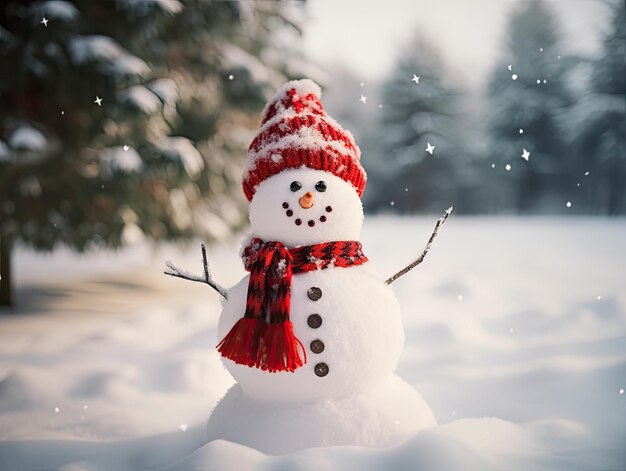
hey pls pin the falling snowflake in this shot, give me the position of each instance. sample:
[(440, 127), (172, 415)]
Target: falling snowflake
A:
[(510, 67), (392, 203), (514, 76), (415, 79), (430, 148), (493, 165), (362, 84), (599, 298), (44, 21), (568, 204), (183, 427), (406, 189), (521, 131), (231, 76), (511, 330), (540, 49), (56, 410), (545, 81), (363, 99), (508, 167), (525, 154), (460, 297), (126, 148), (538, 81), (98, 101), (621, 391), (586, 173)]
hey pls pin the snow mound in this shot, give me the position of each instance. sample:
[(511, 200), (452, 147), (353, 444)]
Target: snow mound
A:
[(385, 415), (23, 389), (471, 444), (28, 138), (109, 384)]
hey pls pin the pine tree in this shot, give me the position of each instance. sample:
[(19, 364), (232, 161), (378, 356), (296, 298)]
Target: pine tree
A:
[(524, 108), (415, 113), (599, 127), (161, 155)]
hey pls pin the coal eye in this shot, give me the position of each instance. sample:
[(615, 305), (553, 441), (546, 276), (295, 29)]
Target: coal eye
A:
[(320, 186), (295, 186)]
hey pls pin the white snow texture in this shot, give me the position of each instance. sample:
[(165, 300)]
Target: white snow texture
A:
[(107, 360), (112, 58)]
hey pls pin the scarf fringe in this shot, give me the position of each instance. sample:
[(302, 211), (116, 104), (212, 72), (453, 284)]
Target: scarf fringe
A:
[(279, 349), (241, 344)]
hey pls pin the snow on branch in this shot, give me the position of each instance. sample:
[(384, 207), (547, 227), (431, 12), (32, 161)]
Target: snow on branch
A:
[(420, 259), (173, 270)]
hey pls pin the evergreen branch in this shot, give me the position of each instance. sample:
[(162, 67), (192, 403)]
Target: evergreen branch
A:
[(420, 259), (173, 270)]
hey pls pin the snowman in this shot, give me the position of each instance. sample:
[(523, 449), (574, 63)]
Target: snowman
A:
[(312, 335)]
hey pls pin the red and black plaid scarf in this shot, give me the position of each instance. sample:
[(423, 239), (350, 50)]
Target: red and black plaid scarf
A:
[(264, 337)]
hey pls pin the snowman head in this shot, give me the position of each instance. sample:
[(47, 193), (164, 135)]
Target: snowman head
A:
[(306, 206), (303, 176)]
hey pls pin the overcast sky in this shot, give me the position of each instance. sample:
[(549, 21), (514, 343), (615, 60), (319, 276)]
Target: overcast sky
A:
[(365, 34)]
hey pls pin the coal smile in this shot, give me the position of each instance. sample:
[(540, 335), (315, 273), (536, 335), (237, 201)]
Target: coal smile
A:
[(311, 222)]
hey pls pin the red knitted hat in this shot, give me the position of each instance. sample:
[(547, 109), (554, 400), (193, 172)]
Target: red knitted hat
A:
[(296, 132)]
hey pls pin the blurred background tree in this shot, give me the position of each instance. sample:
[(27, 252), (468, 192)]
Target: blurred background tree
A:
[(524, 107), (414, 113), (160, 157), (598, 124)]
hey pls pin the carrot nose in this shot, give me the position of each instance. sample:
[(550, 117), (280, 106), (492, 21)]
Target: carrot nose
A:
[(306, 200)]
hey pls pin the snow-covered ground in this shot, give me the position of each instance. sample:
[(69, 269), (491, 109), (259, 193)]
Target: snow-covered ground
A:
[(516, 336)]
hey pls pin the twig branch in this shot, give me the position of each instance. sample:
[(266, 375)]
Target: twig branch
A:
[(420, 259), (173, 270)]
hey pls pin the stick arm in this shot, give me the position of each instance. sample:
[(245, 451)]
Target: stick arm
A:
[(173, 270), (421, 257)]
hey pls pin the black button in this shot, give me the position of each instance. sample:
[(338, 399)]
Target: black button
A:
[(314, 321), (317, 346), (321, 369), (314, 293)]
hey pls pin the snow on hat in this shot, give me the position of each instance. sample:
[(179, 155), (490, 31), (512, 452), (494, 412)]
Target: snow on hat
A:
[(296, 132)]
